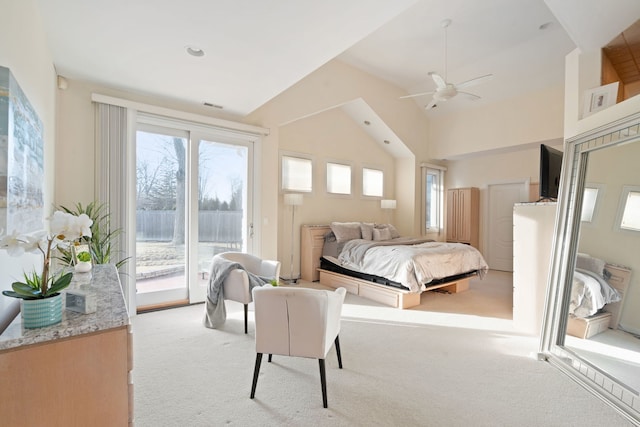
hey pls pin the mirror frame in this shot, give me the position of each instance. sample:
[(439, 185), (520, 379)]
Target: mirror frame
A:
[(563, 259)]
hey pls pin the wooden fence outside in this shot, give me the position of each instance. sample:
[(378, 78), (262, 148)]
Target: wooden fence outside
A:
[(213, 226)]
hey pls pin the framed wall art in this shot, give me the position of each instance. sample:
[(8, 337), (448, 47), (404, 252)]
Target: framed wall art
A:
[(600, 98), (21, 160)]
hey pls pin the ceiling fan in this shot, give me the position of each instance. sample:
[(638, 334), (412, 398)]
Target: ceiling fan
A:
[(445, 91)]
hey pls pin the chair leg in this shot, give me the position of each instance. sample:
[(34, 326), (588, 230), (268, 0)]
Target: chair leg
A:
[(246, 314), (323, 382), (270, 358), (337, 343), (256, 371)]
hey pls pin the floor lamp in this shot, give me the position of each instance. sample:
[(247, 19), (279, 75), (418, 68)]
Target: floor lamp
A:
[(293, 200), (388, 205)]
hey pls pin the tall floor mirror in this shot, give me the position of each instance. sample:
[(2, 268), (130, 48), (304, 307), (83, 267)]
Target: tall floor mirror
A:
[(594, 338)]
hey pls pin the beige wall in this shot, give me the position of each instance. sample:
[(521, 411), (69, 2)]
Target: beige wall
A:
[(331, 136), (531, 118), (24, 50)]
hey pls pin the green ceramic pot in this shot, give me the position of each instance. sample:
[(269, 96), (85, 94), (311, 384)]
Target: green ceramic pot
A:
[(37, 313)]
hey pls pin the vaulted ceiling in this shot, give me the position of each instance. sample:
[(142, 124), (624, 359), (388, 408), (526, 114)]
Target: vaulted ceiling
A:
[(255, 49)]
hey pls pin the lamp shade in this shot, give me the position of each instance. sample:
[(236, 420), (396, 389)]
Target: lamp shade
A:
[(293, 199), (387, 204)]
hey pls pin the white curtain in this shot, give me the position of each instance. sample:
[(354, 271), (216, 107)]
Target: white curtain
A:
[(111, 173)]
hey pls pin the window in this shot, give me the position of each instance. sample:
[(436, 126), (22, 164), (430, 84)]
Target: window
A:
[(433, 177), (629, 209), (372, 182), (297, 173), (338, 178), (590, 202)]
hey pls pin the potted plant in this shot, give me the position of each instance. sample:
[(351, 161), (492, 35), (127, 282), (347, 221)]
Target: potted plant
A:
[(40, 291), (102, 237), (83, 262)]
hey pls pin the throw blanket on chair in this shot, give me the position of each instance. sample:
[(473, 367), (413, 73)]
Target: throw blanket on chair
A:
[(215, 312)]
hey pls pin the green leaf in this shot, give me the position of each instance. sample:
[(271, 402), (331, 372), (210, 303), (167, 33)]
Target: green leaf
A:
[(26, 290), (59, 284), (15, 295)]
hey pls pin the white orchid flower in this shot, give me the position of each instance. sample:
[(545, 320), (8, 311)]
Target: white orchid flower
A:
[(69, 226), (59, 223), (35, 243), (84, 224), (13, 244)]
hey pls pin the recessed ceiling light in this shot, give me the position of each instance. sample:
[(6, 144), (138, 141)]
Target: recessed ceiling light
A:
[(209, 104), (194, 51), (544, 26)]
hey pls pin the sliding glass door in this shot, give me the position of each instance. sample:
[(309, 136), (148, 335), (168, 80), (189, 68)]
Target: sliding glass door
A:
[(221, 209), (192, 201)]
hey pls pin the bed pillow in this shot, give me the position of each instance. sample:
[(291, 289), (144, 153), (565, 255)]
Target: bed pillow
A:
[(366, 228), (589, 263), (346, 231), (391, 228), (394, 232), (381, 234), (330, 247)]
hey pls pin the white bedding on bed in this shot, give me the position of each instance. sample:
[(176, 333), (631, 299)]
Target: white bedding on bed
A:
[(412, 265), (589, 293)]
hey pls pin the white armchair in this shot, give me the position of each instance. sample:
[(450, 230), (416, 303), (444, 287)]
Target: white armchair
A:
[(236, 285), (297, 322)]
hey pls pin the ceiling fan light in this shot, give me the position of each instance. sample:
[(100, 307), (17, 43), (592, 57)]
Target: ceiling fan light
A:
[(445, 94)]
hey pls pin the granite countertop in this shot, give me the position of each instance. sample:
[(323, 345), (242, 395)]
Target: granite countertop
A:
[(111, 312)]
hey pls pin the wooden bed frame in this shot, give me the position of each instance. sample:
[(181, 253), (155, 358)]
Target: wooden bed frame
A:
[(393, 297), (599, 322)]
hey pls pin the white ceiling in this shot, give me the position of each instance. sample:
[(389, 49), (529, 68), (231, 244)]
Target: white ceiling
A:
[(256, 49)]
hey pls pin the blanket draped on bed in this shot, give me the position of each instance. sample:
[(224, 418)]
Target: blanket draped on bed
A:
[(215, 311), (412, 265), (589, 293)]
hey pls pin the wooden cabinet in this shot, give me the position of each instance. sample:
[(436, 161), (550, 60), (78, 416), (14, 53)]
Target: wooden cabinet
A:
[(75, 373), (533, 228), (463, 222), (76, 381), (311, 243)]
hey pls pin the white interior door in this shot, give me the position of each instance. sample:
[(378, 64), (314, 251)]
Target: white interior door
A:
[(501, 198)]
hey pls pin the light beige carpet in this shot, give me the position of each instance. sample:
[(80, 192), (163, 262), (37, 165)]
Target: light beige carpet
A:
[(401, 367)]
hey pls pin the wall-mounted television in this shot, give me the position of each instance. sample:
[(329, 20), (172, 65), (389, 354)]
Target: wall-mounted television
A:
[(550, 171)]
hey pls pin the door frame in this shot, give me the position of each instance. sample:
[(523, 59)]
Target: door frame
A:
[(196, 132), (198, 293)]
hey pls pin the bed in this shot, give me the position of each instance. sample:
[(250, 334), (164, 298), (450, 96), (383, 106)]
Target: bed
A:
[(597, 295), (374, 261)]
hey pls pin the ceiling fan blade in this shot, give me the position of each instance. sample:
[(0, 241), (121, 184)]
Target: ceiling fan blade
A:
[(471, 95), (440, 83), (417, 94), (475, 81), (431, 105)]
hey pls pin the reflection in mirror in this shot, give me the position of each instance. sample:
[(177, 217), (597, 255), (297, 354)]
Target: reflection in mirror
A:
[(604, 323), (592, 319)]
